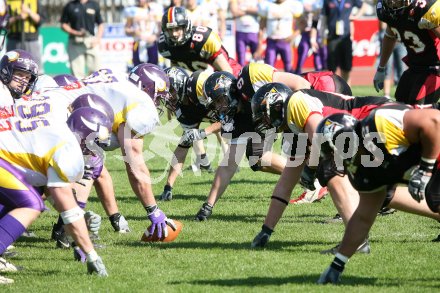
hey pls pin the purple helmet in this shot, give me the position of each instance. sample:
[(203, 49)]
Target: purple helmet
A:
[(95, 102), (90, 126), (65, 79), (152, 80), (18, 60)]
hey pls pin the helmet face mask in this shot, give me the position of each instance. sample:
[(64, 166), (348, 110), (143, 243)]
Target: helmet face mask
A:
[(19, 72), (395, 7), (268, 106), (176, 26), (219, 93), (178, 78)]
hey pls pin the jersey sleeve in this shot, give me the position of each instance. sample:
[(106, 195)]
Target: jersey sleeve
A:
[(296, 8), (431, 19), (142, 117), (211, 48), (299, 108), (263, 8), (260, 74)]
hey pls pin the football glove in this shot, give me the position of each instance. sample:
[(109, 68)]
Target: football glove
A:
[(159, 222), (204, 212), (167, 193), (262, 238), (98, 267), (379, 78), (93, 221), (419, 179), (119, 223), (333, 273), (191, 135), (308, 176)]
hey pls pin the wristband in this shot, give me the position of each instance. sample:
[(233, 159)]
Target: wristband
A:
[(150, 209), (427, 164), (381, 68)]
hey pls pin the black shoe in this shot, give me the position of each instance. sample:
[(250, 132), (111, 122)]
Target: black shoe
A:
[(207, 168), (363, 248), (60, 237), (336, 219), (204, 212), (386, 211), (436, 239)]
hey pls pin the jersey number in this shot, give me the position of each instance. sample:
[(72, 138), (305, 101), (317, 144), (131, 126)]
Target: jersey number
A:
[(412, 39)]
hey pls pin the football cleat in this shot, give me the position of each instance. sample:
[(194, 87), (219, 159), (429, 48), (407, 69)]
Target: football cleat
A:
[(336, 219), (204, 212), (386, 211), (119, 223), (310, 196), (4, 280), (29, 234), (6, 266), (363, 248)]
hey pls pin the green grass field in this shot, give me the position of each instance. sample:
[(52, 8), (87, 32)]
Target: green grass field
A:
[(215, 256)]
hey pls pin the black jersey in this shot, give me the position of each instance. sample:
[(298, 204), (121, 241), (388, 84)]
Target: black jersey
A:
[(412, 26)]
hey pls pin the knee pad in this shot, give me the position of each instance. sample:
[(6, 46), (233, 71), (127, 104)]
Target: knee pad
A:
[(254, 151), (72, 215)]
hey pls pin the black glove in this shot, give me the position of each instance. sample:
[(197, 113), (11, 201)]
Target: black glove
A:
[(420, 177), (308, 176), (262, 238), (333, 273)]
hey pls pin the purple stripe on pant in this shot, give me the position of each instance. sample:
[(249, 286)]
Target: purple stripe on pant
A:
[(275, 47), (242, 40), (303, 52)]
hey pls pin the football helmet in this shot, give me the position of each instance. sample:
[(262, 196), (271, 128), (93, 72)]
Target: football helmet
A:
[(65, 79), (394, 7), (95, 102), (18, 60), (152, 80), (267, 106), (176, 17), (91, 127), (220, 92), (334, 125), (178, 78)]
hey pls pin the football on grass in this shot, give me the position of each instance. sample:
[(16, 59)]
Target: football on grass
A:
[(172, 235)]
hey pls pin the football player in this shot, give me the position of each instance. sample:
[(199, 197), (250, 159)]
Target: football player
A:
[(190, 113), (393, 141), (192, 48), (255, 75), (298, 114), (416, 25), (235, 115), (40, 152)]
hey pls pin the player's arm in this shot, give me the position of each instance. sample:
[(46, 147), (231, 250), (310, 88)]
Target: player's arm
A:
[(221, 64), (293, 81), (388, 43)]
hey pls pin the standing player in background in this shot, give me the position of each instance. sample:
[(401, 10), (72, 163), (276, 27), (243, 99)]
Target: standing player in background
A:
[(143, 24), (192, 48), (246, 27), (277, 22), (416, 25), (217, 15)]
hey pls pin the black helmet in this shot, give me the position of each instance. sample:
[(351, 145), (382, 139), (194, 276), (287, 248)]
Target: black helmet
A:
[(334, 125), (175, 17), (219, 91), (267, 106), (394, 7), (178, 78)]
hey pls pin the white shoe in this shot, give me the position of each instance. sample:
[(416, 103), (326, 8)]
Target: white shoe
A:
[(6, 266), (4, 280), (309, 196)]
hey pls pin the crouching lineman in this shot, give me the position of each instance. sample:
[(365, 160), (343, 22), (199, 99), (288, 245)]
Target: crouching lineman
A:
[(38, 152), (393, 144), (235, 115), (184, 103), (298, 114)]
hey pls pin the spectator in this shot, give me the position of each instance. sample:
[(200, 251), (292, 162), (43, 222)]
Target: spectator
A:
[(78, 19), (217, 15), (26, 17), (143, 24), (277, 20), (306, 22), (246, 27), (176, 3), (196, 13), (336, 17), (4, 19)]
